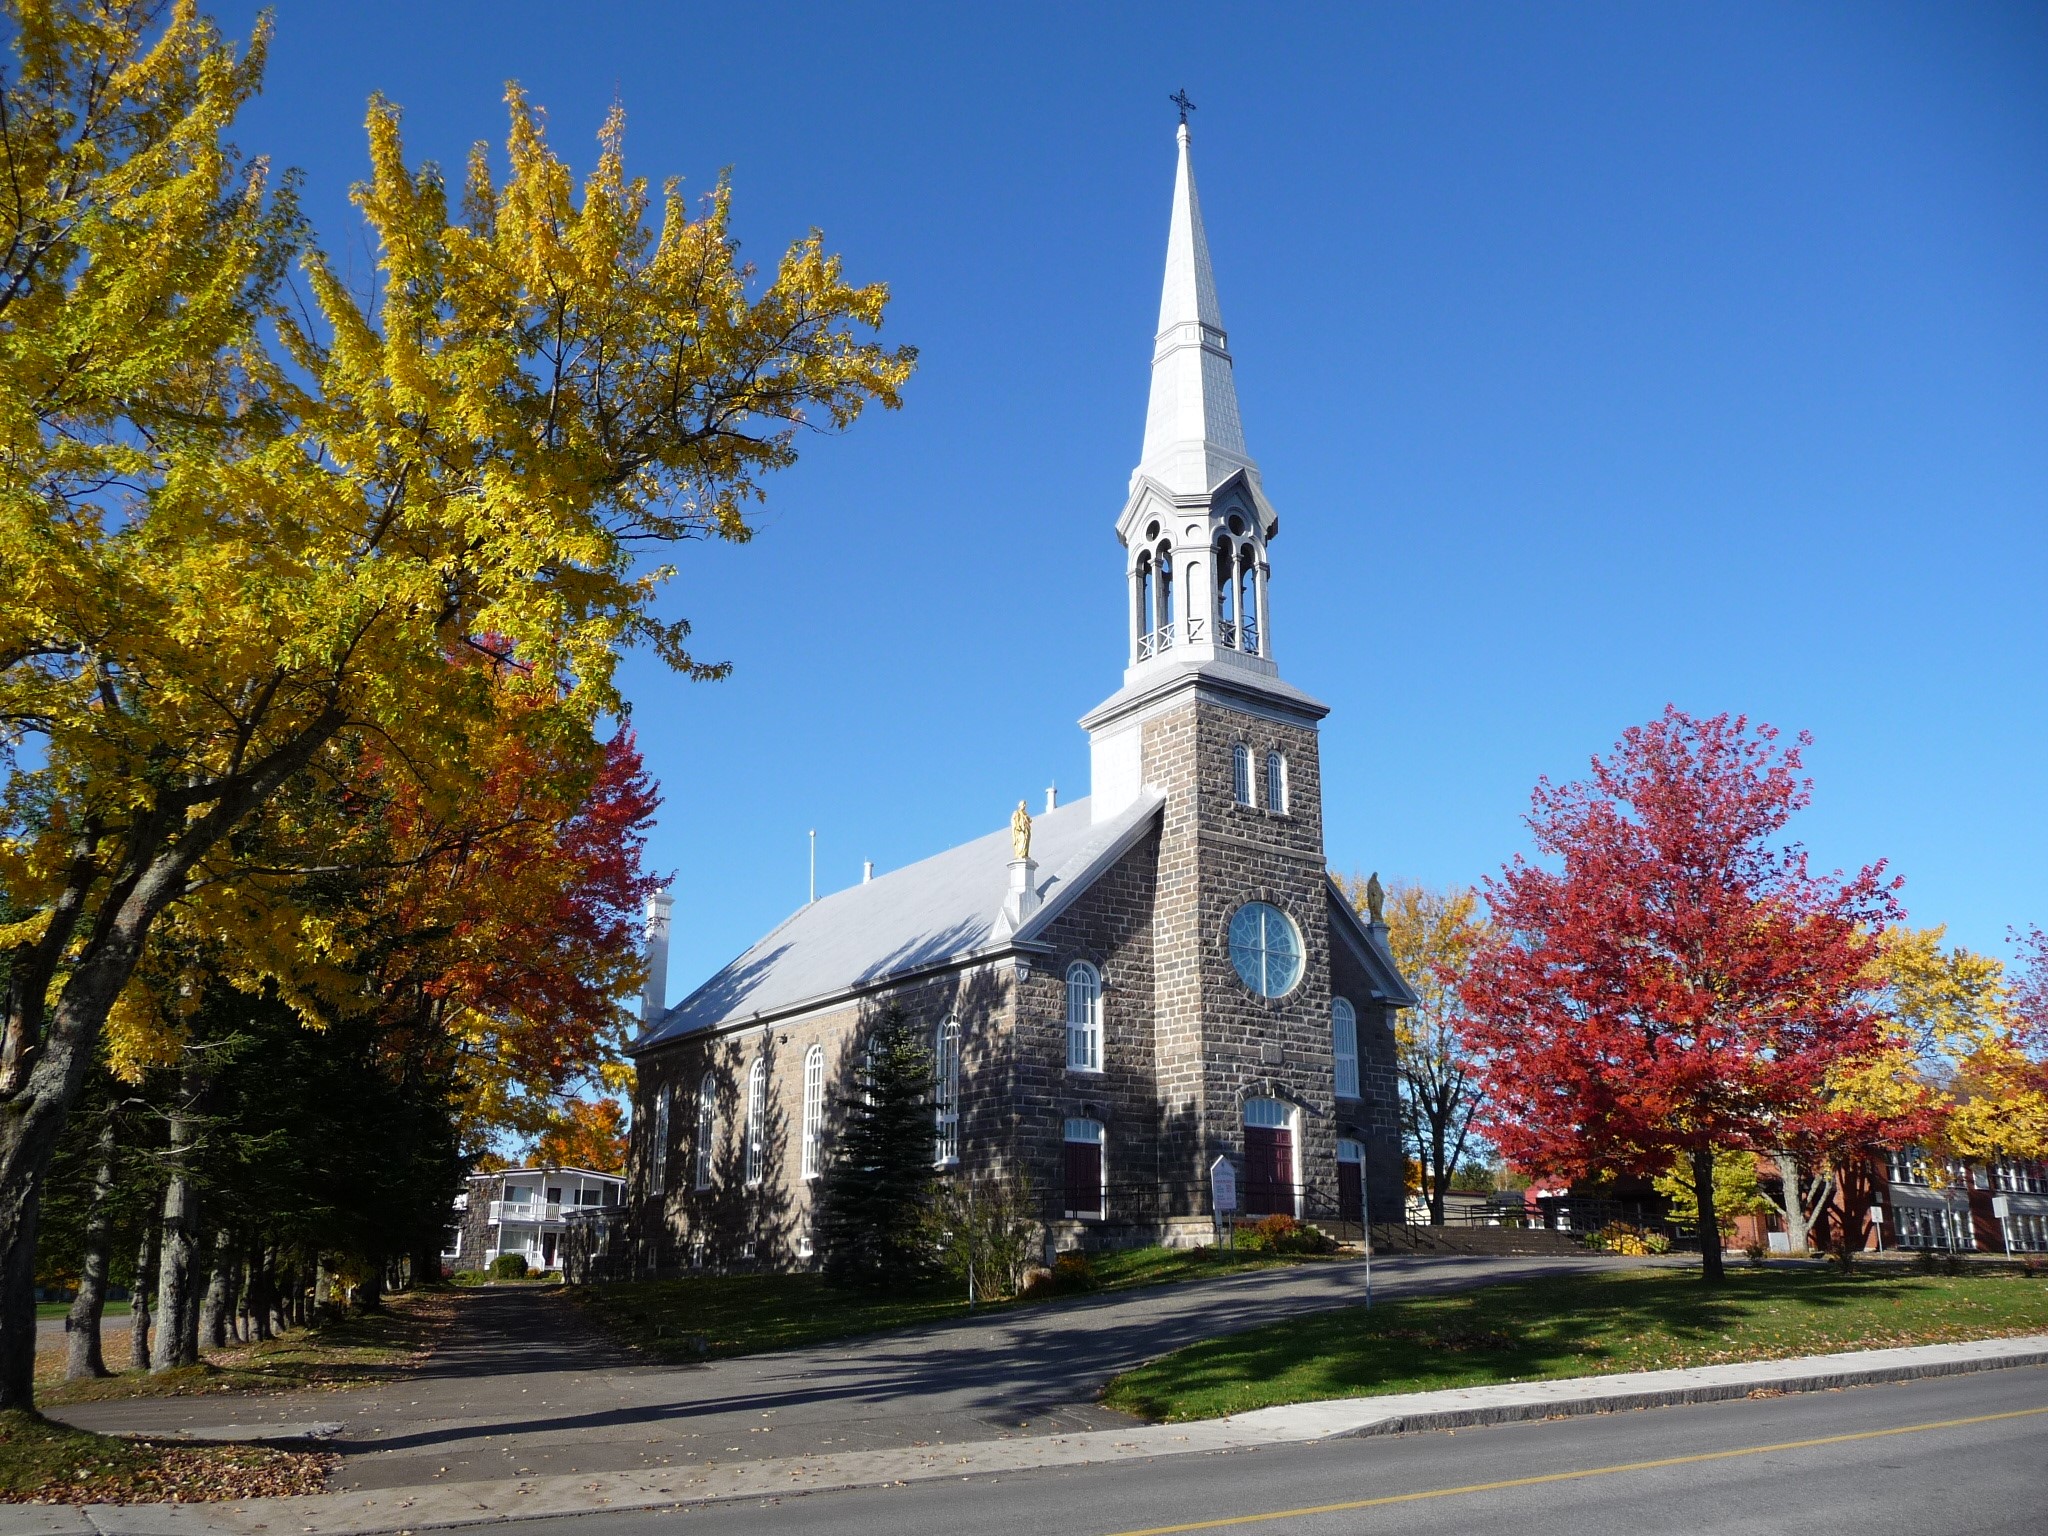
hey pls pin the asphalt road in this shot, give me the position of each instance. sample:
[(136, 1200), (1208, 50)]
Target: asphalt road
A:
[(1931, 1458), (521, 1386)]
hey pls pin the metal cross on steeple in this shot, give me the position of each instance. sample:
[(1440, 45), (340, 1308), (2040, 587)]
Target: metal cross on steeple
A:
[(1180, 99)]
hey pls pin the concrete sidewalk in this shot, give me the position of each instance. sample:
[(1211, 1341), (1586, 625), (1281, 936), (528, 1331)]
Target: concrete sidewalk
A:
[(453, 1504)]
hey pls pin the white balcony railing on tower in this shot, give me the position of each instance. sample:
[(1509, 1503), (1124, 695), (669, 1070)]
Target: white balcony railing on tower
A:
[(1158, 640)]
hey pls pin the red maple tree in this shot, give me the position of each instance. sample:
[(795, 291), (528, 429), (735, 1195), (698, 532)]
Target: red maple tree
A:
[(1675, 979)]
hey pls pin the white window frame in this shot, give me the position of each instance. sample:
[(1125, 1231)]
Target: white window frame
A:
[(814, 1109), (707, 1128), (946, 1094), (757, 1122), (1276, 783), (1344, 1046), (1084, 1018), (1241, 774)]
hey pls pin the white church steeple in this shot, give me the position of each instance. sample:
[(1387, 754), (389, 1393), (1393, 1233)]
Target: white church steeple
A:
[(1193, 438), (1197, 523)]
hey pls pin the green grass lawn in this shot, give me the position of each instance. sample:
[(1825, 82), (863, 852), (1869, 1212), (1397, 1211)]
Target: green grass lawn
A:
[(113, 1309), (716, 1315), (353, 1349), (1576, 1325), (42, 1462)]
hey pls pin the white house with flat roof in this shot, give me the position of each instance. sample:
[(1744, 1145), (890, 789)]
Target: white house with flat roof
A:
[(523, 1211)]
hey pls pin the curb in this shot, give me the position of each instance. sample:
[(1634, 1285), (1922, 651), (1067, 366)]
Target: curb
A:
[(1622, 1402), (450, 1506)]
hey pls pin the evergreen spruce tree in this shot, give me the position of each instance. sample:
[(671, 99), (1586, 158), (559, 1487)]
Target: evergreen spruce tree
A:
[(871, 1223)]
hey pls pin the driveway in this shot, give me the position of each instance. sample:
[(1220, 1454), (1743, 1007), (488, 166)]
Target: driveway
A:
[(524, 1385)]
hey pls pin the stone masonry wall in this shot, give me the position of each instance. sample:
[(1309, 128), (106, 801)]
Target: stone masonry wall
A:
[(1220, 1043), (732, 1224), (1111, 927)]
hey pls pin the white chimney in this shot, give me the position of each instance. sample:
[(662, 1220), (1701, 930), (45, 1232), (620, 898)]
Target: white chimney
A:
[(654, 995), (867, 871), (1052, 798)]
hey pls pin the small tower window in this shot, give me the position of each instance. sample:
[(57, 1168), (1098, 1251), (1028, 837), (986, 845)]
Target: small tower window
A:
[(757, 1121), (1344, 1046), (946, 1094), (1241, 774), (1084, 1017), (814, 1109), (1276, 783), (1163, 595), (707, 1127)]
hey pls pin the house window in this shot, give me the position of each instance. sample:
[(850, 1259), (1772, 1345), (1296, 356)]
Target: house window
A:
[(1084, 1017), (814, 1108), (1084, 1181), (2016, 1176), (2026, 1234), (1241, 774), (1935, 1227), (946, 1093), (657, 1154), (707, 1127), (757, 1120), (1276, 783), (1344, 1046)]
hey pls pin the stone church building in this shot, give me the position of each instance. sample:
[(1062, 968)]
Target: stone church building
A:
[(1119, 991)]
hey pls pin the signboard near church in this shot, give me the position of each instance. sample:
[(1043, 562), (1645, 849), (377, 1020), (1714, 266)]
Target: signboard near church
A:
[(1222, 1186)]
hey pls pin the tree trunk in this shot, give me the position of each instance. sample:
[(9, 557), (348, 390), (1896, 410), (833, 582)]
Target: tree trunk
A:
[(220, 1294), (177, 1294), (259, 1294), (1710, 1219), (370, 1294), (82, 1349), (145, 1279), (1439, 1175), (1793, 1205)]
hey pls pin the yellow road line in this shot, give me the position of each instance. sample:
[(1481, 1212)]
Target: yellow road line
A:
[(1566, 1477)]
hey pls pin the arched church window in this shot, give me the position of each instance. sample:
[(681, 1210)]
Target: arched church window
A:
[(946, 1093), (1248, 597), (757, 1121), (1084, 1017), (657, 1150), (1344, 1046), (1276, 783), (707, 1127), (814, 1110), (1241, 774), (1226, 594), (1164, 595)]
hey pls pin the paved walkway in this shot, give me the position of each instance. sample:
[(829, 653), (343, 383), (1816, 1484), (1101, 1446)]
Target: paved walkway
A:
[(524, 1388)]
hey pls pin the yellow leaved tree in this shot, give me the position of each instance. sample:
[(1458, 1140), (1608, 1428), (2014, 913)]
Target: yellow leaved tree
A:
[(238, 538), (1433, 934)]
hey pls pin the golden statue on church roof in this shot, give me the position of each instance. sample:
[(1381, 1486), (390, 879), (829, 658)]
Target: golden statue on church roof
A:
[(1020, 833)]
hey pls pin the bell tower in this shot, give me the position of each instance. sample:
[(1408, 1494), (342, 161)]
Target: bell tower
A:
[(1241, 937)]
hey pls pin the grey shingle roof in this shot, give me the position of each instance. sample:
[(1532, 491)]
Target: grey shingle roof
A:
[(924, 914)]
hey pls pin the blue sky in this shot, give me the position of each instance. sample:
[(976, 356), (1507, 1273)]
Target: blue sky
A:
[(1594, 356)]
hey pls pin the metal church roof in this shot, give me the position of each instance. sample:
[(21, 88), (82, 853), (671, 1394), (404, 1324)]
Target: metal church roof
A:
[(931, 913)]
